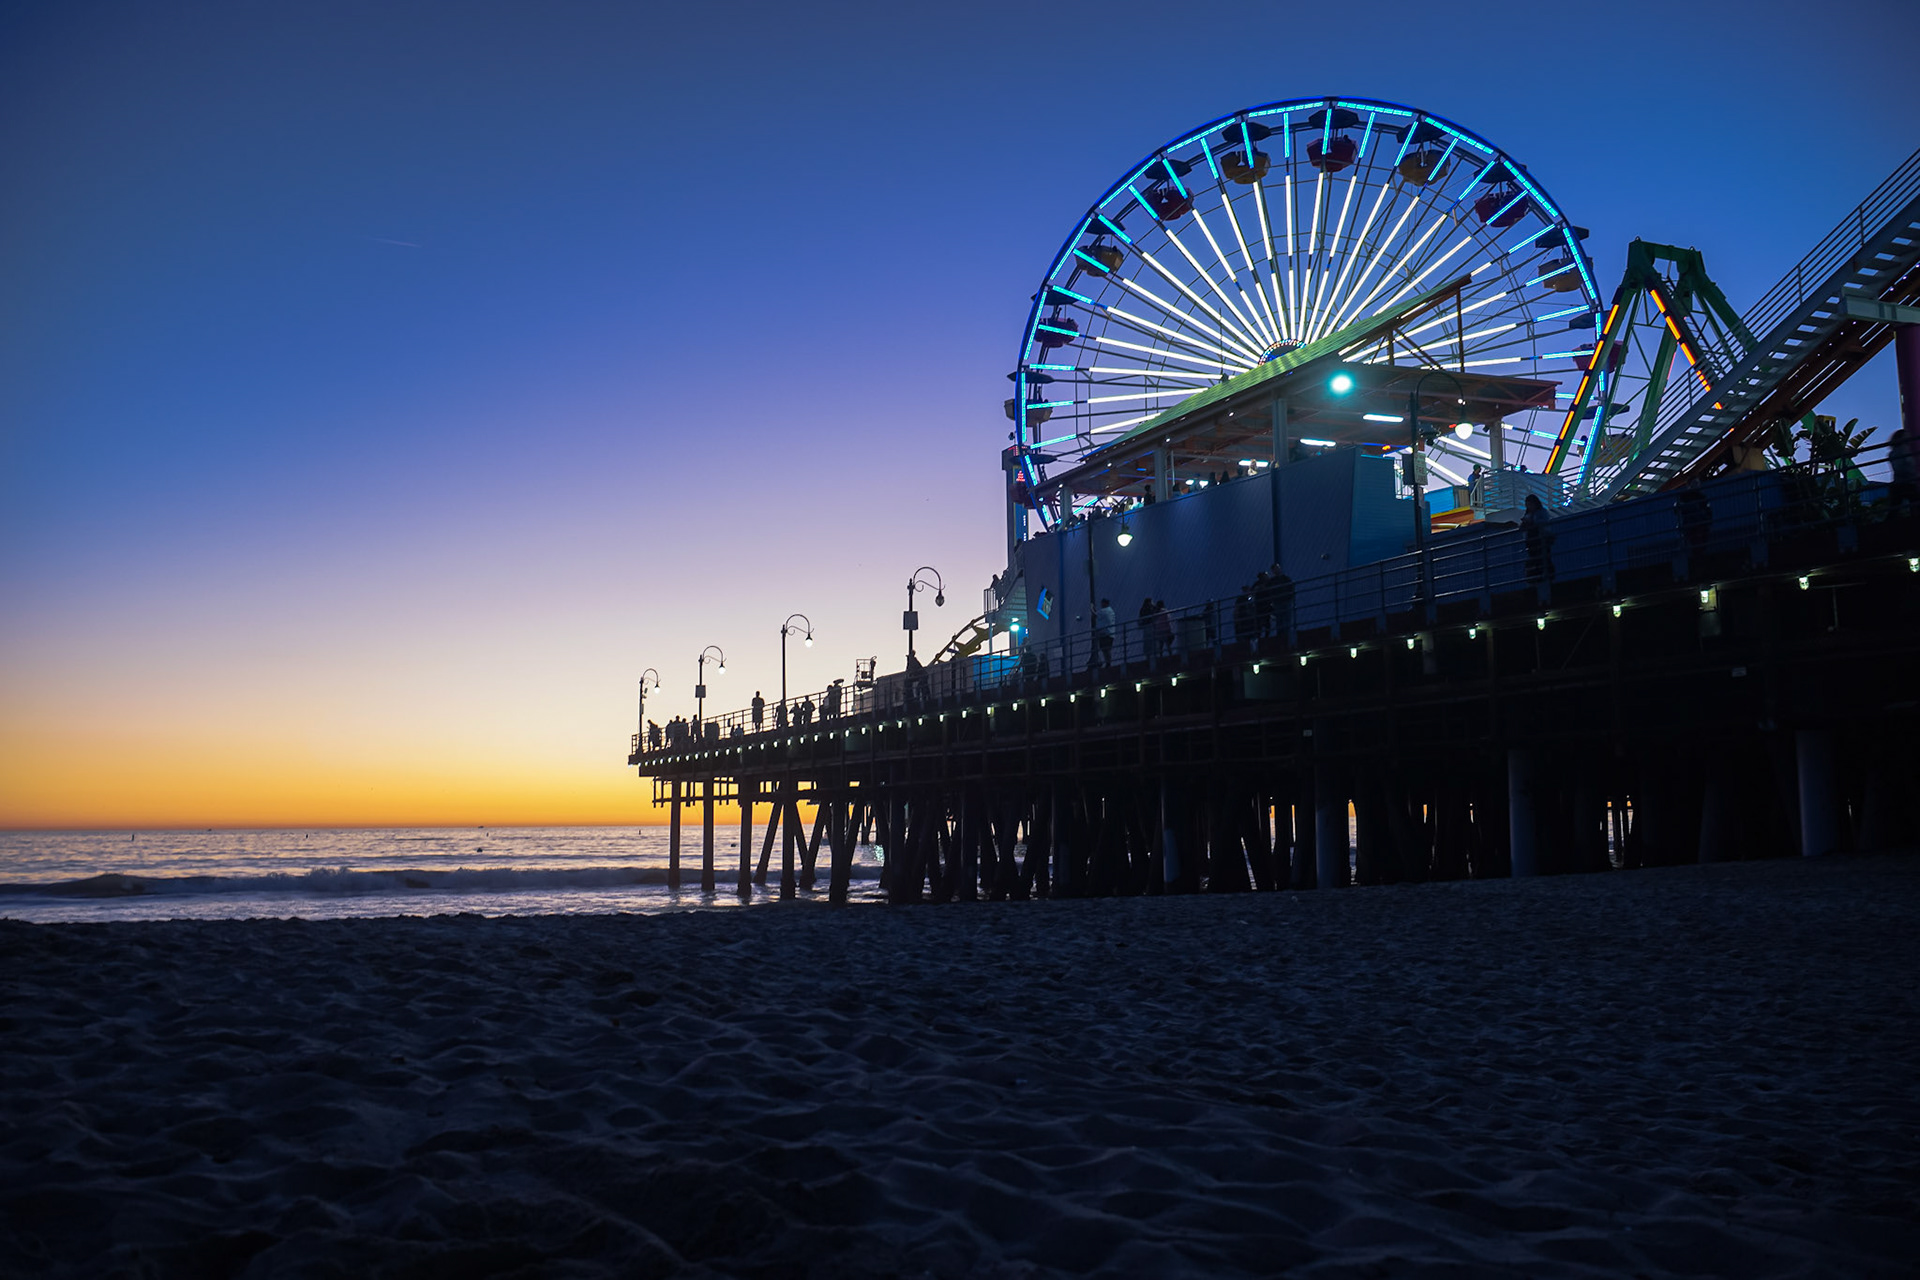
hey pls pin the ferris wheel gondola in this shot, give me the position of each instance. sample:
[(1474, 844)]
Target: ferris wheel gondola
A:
[(1277, 227)]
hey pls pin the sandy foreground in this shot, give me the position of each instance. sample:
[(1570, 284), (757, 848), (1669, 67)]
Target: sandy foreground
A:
[(1699, 1070)]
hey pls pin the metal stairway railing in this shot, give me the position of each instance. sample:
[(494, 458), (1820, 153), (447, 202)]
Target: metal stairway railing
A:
[(1874, 247)]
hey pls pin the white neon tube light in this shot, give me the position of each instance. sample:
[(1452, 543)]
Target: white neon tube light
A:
[(1150, 373), (1227, 334), (1104, 340)]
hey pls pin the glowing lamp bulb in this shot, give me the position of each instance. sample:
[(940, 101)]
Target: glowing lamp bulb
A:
[(723, 668), (1340, 383), (809, 642), (1463, 429), (1125, 538)]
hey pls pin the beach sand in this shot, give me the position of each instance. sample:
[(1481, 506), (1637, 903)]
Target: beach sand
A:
[(1698, 1070)]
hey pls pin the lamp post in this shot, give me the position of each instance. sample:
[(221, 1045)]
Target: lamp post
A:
[(1413, 434), (786, 629), (700, 682), (910, 620), (642, 732)]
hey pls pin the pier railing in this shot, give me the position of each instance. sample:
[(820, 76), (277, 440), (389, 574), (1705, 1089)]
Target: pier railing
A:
[(1729, 526)]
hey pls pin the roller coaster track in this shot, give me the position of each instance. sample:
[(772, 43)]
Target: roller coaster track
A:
[(1816, 328)]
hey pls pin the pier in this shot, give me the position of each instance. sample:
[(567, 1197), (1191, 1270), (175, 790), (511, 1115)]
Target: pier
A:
[(1672, 616), (1661, 701)]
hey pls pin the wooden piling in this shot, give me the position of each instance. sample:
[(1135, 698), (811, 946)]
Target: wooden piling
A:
[(673, 839), (706, 836), (749, 788)]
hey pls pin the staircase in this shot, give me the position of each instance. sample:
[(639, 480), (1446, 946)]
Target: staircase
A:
[(1816, 327)]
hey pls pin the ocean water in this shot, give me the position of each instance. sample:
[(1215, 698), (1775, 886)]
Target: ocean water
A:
[(326, 874)]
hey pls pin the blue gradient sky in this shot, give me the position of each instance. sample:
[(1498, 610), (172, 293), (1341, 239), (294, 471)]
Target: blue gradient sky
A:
[(384, 386)]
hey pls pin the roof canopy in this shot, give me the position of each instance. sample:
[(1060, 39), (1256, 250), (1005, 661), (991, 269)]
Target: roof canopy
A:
[(1232, 422)]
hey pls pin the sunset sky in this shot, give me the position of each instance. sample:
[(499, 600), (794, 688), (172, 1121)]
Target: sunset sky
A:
[(384, 386)]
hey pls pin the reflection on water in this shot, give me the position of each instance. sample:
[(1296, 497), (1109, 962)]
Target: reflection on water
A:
[(321, 874)]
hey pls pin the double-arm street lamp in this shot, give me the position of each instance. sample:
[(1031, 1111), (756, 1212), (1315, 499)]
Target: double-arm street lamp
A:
[(700, 681), (910, 620), (786, 629)]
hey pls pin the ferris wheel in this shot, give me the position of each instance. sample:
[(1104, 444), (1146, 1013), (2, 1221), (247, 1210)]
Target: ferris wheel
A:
[(1281, 226)]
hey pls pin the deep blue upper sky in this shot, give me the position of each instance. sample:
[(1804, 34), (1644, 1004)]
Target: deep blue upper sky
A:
[(424, 371)]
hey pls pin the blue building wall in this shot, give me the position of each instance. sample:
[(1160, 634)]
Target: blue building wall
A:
[(1314, 517)]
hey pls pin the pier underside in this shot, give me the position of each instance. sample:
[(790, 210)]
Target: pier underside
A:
[(1728, 700)]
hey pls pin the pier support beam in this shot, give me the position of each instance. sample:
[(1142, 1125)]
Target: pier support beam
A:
[(1169, 837), (842, 828), (1719, 815), (673, 840), (791, 835), (1331, 840), (706, 836), (1819, 793), (1523, 832), (748, 789), (1304, 870)]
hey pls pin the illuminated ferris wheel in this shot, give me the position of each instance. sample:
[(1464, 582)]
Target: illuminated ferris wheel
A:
[(1277, 228)]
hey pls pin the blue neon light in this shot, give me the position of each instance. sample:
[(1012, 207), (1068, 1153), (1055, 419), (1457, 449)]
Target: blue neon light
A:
[(1078, 297), (1579, 260), (1041, 444), (1544, 435), (1115, 227), (1567, 355), (1503, 208), (1555, 315), (1057, 368), (1101, 267), (1246, 141), (1208, 152), (1472, 142), (1468, 189), (1368, 106), (1442, 162), (1177, 184), (1550, 275), (1406, 140), (1143, 203), (1284, 108), (1286, 134), (1546, 206), (1052, 404), (1365, 137), (1054, 328), (1530, 237)]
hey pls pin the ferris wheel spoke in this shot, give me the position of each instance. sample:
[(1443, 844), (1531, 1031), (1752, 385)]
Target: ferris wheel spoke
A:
[(1249, 328), (1354, 254), (1228, 332), (1431, 267), (1375, 259), (1207, 230), (1214, 363), (1311, 255), (1264, 226), (1333, 243), (1293, 256), (1387, 274), (1259, 290), (1172, 313), (1222, 357)]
